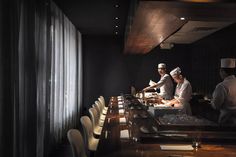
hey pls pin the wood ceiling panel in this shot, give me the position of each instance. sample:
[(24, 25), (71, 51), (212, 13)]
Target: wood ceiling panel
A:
[(150, 27), (155, 21)]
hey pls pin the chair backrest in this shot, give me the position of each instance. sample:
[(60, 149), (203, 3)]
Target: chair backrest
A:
[(94, 116), (76, 143), (99, 106), (102, 100), (133, 90), (87, 128)]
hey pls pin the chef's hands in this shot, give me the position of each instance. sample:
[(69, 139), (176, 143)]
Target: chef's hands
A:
[(163, 101), (168, 103), (145, 89)]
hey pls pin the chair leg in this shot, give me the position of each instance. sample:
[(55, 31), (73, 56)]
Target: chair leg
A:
[(91, 154)]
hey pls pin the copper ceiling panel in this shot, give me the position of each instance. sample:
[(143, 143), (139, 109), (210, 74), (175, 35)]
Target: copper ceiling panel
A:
[(155, 21), (150, 27)]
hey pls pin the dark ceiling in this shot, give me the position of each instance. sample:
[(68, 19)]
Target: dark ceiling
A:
[(97, 17), (153, 22)]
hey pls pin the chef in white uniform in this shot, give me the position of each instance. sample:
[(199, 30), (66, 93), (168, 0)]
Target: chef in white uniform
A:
[(165, 83), (224, 95), (183, 92)]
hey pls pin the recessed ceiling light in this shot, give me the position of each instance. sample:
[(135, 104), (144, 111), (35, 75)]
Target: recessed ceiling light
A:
[(116, 26), (182, 18), (116, 18), (117, 5), (116, 32)]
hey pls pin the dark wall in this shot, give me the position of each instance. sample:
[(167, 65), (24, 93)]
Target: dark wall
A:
[(205, 58), (6, 107), (104, 68), (1, 80)]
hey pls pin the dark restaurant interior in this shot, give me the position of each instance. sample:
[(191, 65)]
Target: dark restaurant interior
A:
[(58, 57)]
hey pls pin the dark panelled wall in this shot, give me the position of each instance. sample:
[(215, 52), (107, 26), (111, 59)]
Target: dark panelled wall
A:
[(205, 56), (104, 68)]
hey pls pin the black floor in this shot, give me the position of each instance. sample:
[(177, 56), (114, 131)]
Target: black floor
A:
[(63, 150)]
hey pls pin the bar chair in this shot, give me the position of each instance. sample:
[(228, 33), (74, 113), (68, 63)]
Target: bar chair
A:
[(100, 119), (76, 143), (89, 138), (102, 100), (97, 130), (101, 109)]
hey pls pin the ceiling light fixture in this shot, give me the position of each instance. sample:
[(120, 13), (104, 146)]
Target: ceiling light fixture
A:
[(116, 26), (117, 5), (116, 32), (182, 18)]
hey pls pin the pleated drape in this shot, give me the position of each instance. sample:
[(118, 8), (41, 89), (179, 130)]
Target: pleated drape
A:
[(64, 74), (40, 77)]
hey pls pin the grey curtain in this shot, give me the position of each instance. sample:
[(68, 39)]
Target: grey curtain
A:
[(40, 77), (43, 74), (64, 74)]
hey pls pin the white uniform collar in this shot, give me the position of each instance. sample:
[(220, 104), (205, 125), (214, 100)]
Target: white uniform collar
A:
[(229, 77)]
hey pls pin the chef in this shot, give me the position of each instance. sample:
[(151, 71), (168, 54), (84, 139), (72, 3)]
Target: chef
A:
[(165, 83), (183, 92), (224, 95)]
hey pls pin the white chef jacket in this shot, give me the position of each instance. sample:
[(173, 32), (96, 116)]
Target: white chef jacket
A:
[(224, 99), (166, 87), (183, 93)]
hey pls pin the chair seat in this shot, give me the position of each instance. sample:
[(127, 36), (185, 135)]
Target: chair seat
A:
[(88, 133), (105, 108), (93, 143), (97, 130), (101, 123), (104, 112), (102, 117)]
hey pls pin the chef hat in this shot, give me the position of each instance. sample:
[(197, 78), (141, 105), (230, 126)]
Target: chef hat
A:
[(162, 65), (176, 71), (227, 63)]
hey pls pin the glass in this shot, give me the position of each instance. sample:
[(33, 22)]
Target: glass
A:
[(127, 117), (196, 143), (107, 134)]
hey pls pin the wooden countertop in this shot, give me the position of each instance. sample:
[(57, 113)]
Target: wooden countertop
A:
[(213, 143)]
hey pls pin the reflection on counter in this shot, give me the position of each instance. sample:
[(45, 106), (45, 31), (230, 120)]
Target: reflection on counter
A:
[(202, 112)]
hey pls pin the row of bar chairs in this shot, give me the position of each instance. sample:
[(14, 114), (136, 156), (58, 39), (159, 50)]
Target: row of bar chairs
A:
[(92, 128)]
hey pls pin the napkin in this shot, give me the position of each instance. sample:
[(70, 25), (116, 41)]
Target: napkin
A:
[(176, 147), (144, 130), (151, 83), (122, 120), (124, 134), (103, 117), (121, 111), (150, 130), (120, 106), (160, 105), (119, 97), (120, 102), (144, 115)]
